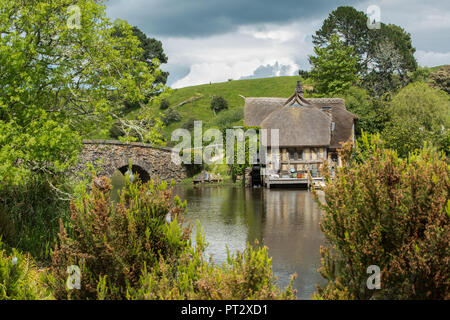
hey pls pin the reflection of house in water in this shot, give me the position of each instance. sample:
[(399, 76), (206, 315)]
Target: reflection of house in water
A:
[(292, 233), (310, 131)]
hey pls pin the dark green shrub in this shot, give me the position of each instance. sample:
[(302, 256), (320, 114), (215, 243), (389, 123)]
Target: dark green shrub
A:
[(218, 103), (227, 119), (441, 78), (170, 116), (165, 104), (19, 278), (189, 124), (389, 212), (116, 131)]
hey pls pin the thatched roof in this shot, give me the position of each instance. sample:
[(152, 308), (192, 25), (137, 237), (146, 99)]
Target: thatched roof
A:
[(257, 109), (301, 121), (299, 126)]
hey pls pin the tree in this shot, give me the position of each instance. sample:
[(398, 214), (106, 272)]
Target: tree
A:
[(60, 81), (218, 103), (303, 73), (171, 115), (164, 104), (152, 49), (418, 113), (391, 59), (441, 78), (371, 112), (392, 213), (385, 55), (333, 67)]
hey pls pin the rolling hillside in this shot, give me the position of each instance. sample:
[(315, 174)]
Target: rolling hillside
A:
[(193, 103), (198, 98)]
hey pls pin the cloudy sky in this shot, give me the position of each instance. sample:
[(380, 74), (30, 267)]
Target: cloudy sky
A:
[(216, 40)]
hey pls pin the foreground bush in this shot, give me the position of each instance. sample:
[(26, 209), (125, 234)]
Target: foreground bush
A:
[(19, 278), (246, 275), (29, 215), (132, 250), (389, 212)]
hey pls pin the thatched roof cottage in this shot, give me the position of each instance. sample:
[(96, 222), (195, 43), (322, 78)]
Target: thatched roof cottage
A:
[(310, 130)]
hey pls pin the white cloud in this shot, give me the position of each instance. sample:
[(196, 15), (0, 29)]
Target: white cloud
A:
[(431, 59), (239, 54)]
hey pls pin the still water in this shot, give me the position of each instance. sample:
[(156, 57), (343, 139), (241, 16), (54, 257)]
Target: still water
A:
[(284, 220)]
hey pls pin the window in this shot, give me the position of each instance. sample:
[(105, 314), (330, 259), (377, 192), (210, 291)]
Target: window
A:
[(291, 154), (334, 157), (295, 154), (333, 125)]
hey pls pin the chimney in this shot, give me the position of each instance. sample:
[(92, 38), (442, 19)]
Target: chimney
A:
[(299, 90)]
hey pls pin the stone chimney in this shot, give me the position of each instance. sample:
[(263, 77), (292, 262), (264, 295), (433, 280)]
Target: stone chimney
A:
[(299, 90)]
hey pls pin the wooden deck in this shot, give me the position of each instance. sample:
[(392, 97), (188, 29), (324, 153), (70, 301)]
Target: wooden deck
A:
[(293, 181)]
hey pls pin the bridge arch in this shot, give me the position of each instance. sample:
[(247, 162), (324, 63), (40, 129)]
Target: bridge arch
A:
[(144, 176), (148, 161)]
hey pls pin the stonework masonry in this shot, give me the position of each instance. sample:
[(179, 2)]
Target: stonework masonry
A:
[(115, 155)]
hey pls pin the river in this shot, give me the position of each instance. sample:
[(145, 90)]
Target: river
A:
[(284, 220)]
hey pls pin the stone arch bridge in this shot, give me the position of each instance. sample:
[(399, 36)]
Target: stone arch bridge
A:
[(148, 161)]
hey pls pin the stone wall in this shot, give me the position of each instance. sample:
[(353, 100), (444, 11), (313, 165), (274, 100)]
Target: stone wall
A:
[(115, 155)]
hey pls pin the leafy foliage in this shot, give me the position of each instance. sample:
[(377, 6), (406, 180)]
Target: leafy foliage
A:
[(333, 67), (246, 275), (165, 104), (30, 214), (371, 112), (441, 78), (417, 114), (118, 240), (128, 250), (218, 103), (171, 115), (385, 55), (19, 278), (389, 212), (59, 83)]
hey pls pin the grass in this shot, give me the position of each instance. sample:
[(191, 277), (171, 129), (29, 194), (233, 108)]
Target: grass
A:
[(231, 91), (199, 107), (29, 217)]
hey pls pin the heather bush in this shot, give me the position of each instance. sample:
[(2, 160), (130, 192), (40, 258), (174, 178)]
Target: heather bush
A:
[(19, 278), (245, 275), (391, 212), (140, 248), (117, 240)]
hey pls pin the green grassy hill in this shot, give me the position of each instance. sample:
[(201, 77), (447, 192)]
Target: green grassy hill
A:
[(198, 98), (193, 103)]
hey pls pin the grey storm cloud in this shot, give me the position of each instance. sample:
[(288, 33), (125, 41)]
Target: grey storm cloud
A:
[(199, 18)]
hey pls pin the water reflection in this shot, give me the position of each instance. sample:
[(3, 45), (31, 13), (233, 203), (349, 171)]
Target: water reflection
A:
[(286, 221)]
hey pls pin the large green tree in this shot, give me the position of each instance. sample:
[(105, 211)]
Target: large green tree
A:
[(62, 75), (333, 68), (152, 49), (418, 113), (385, 55)]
